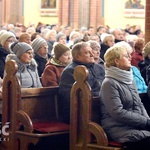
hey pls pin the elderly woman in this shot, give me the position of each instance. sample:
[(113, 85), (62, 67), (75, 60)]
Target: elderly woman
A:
[(124, 117), (137, 53), (144, 64), (27, 67), (41, 55), (6, 39), (55, 66), (96, 51)]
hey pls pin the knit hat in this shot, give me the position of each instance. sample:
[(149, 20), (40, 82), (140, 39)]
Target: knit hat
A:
[(36, 44), (146, 50), (5, 36), (60, 34), (19, 48), (60, 49)]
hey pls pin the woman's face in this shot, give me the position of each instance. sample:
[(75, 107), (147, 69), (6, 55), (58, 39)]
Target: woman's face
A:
[(110, 42), (52, 37), (27, 57), (124, 62), (96, 52), (62, 40), (8, 42), (43, 51), (66, 57)]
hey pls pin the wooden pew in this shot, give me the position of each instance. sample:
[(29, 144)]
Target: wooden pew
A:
[(85, 133), (31, 112)]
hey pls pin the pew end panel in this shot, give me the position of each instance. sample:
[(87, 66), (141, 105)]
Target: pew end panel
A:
[(85, 132), (31, 112)]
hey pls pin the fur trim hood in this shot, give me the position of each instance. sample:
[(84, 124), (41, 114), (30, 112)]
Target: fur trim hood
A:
[(21, 66)]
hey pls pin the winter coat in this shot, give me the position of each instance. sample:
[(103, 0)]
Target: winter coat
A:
[(52, 73), (144, 69), (123, 115), (27, 73), (95, 78), (50, 46), (139, 81), (103, 50), (3, 54), (136, 58), (41, 62)]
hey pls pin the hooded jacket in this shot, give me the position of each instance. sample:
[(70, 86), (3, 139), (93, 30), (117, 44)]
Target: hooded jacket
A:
[(27, 73)]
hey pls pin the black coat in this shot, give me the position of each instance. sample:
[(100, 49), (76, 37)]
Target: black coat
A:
[(95, 78), (3, 54), (145, 69), (103, 50), (41, 62)]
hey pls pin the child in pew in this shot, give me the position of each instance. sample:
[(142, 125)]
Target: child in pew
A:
[(27, 67), (123, 116)]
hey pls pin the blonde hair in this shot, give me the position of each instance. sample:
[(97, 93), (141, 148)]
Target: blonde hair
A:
[(49, 33), (125, 45), (146, 50), (113, 53)]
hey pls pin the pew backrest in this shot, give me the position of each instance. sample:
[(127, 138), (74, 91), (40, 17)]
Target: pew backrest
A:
[(85, 132), (31, 112)]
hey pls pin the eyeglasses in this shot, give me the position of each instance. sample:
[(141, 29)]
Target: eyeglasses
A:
[(10, 41), (44, 46), (127, 55), (96, 48)]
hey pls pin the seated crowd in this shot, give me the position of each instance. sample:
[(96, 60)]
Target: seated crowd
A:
[(118, 62)]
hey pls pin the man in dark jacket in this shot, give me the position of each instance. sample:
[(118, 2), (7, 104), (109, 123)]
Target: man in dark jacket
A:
[(82, 55)]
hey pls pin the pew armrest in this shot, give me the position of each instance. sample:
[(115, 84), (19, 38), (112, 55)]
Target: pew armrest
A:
[(98, 147), (99, 133), (25, 120)]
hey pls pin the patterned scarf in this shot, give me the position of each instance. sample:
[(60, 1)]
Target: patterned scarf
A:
[(119, 74)]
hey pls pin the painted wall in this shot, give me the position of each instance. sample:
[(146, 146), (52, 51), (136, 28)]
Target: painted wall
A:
[(32, 13), (114, 15)]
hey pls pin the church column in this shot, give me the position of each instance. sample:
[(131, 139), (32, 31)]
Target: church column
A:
[(147, 21)]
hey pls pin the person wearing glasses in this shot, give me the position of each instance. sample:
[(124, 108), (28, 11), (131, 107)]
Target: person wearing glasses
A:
[(41, 54), (123, 115), (6, 39), (27, 66)]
